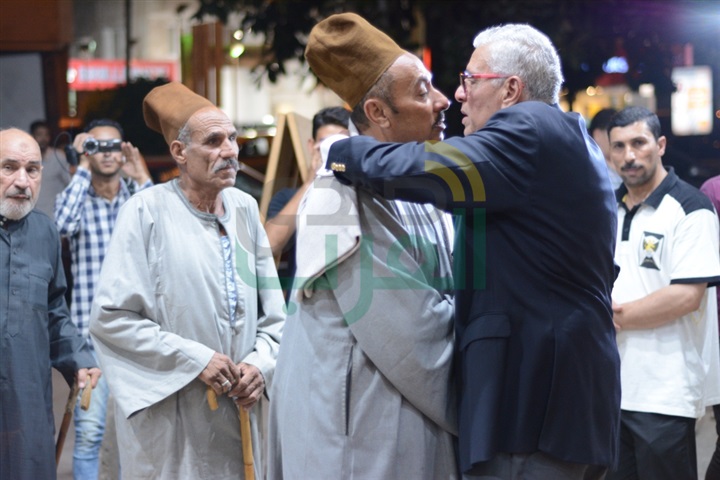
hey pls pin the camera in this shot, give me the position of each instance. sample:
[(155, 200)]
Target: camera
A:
[(92, 146)]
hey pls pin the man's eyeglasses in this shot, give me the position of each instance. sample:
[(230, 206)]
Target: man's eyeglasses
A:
[(465, 75)]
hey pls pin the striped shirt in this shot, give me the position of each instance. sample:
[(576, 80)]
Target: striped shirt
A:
[(87, 220)]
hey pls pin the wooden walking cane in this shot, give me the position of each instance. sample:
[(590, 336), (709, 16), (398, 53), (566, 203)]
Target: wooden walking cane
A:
[(247, 448), (69, 407), (245, 434)]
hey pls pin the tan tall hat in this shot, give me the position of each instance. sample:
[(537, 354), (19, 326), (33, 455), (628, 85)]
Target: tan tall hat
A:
[(349, 55), (168, 107)]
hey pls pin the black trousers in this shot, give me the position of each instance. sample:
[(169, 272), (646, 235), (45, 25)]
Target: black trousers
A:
[(656, 447), (533, 466), (713, 470)]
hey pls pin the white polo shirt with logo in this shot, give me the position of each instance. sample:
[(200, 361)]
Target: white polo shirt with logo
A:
[(670, 238)]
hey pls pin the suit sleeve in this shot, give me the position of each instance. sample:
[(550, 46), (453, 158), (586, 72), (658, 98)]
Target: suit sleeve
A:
[(492, 167)]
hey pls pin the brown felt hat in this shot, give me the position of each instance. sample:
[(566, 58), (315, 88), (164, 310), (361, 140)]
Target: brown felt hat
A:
[(167, 108), (348, 55)]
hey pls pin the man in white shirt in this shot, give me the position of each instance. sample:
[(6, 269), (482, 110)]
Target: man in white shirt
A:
[(664, 312)]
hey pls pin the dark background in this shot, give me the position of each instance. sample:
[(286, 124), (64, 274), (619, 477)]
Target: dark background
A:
[(586, 33)]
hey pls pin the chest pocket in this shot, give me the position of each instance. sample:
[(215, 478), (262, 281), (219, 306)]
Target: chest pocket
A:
[(30, 298), (39, 279)]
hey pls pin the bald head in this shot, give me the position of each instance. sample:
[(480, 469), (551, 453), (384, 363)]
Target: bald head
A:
[(11, 135), (20, 173)]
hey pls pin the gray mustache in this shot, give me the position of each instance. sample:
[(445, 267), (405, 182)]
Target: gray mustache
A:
[(233, 162), (24, 192)]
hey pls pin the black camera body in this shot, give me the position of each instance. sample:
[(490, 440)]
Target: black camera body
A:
[(92, 146)]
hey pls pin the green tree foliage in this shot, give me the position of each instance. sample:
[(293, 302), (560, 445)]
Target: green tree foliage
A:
[(285, 24), (586, 33)]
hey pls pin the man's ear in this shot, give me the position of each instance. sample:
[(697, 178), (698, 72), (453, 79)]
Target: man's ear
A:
[(662, 143), (177, 150), (513, 91), (376, 111)]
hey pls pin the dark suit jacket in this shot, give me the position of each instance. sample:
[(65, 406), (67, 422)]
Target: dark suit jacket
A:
[(538, 367)]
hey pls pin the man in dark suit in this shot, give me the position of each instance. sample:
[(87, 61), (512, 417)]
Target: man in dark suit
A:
[(538, 367)]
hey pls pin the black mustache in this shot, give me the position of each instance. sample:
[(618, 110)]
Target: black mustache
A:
[(628, 167)]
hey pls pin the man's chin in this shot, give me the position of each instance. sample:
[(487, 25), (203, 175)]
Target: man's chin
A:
[(228, 180), (107, 172), (15, 210)]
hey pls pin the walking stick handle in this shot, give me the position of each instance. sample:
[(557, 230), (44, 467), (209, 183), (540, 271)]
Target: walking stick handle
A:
[(211, 398), (86, 394)]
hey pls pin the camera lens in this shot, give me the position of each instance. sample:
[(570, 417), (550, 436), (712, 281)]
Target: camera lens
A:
[(90, 145)]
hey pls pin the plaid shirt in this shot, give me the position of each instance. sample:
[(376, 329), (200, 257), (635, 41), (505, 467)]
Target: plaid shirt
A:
[(87, 220)]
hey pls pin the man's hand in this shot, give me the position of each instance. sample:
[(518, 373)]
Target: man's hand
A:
[(220, 373), (83, 160), (134, 164), (617, 315), (249, 388), (85, 374)]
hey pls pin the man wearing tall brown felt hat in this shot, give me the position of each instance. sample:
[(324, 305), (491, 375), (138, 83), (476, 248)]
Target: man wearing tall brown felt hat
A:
[(188, 300), (363, 386)]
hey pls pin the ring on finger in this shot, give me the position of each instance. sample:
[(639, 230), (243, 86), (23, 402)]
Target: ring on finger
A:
[(226, 384)]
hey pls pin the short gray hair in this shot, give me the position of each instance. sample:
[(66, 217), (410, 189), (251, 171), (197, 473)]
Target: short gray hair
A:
[(184, 134), (380, 90), (518, 49)]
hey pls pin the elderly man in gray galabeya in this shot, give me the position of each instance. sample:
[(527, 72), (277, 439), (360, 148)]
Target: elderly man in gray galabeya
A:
[(188, 299)]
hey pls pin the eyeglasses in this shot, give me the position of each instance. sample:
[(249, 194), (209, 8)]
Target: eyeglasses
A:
[(465, 75)]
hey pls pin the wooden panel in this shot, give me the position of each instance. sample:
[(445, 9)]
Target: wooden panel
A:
[(207, 59), (289, 157), (300, 131), (55, 65), (35, 25)]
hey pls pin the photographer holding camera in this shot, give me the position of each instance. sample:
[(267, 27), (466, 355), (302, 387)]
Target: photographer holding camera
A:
[(85, 213)]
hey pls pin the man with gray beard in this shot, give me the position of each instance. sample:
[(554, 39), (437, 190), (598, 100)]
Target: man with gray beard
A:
[(188, 299), (36, 332)]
